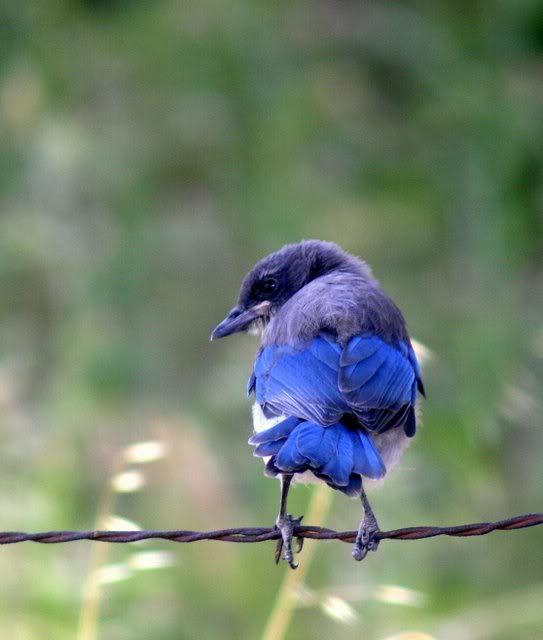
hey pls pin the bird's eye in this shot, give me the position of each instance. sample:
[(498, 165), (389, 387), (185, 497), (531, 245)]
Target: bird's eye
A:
[(268, 286)]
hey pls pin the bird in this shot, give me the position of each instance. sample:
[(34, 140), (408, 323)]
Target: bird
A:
[(336, 380)]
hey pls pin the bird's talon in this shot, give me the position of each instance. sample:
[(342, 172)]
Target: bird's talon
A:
[(359, 552), (372, 545), (278, 549), (365, 540), (286, 525)]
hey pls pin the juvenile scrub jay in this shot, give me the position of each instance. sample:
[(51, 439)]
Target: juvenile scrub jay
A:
[(335, 379)]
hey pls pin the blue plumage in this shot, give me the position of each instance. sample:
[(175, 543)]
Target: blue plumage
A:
[(334, 453), (278, 432), (320, 383), (291, 381), (340, 464)]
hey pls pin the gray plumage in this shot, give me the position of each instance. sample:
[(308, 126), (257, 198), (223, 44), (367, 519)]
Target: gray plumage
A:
[(342, 302), (322, 288)]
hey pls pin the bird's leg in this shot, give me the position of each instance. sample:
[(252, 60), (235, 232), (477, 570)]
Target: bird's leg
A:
[(365, 538), (286, 524)]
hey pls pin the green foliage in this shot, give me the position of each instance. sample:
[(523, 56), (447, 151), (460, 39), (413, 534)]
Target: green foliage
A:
[(149, 153)]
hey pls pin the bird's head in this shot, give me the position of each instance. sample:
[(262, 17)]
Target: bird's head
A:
[(279, 276)]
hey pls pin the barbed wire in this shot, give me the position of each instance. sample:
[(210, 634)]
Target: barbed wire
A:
[(261, 534)]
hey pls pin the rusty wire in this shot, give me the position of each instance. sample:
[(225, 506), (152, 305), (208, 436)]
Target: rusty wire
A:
[(261, 534)]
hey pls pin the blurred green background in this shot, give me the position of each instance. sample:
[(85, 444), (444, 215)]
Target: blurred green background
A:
[(150, 152)]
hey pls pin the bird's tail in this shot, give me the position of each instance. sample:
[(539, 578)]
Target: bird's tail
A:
[(338, 454)]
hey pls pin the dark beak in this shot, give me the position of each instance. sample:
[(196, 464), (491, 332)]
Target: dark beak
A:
[(239, 320)]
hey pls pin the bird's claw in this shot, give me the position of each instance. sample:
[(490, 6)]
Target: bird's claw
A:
[(366, 539), (286, 525)]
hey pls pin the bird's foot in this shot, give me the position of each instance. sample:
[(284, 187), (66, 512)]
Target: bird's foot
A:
[(366, 538), (286, 525)]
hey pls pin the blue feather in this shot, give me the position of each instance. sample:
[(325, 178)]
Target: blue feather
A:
[(295, 382), (269, 448), (358, 374), (359, 348), (325, 349), (317, 444), (367, 461), (280, 430), (316, 385), (391, 384), (251, 384), (339, 467), (381, 385), (381, 420), (337, 454), (289, 457), (410, 425), (415, 363)]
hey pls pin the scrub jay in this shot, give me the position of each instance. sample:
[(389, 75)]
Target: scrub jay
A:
[(335, 379)]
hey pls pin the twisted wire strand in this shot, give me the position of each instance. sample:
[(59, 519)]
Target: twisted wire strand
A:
[(261, 534)]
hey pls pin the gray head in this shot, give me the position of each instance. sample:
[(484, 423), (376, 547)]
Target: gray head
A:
[(277, 277)]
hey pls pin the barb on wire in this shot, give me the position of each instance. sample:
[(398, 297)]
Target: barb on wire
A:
[(261, 534)]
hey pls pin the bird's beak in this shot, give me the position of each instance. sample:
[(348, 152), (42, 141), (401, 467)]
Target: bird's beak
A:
[(240, 319)]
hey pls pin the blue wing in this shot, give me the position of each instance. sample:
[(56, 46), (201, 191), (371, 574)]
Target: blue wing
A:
[(379, 381), (317, 387), (321, 382), (301, 382)]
